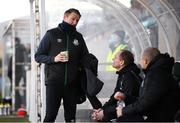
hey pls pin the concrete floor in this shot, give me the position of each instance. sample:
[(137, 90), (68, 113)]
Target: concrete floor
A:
[(83, 113)]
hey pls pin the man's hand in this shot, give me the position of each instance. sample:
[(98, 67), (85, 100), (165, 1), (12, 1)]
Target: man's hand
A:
[(119, 96), (97, 110), (60, 58), (98, 114), (119, 111)]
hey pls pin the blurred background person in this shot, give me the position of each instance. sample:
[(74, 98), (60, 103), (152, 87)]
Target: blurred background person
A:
[(116, 43), (20, 73)]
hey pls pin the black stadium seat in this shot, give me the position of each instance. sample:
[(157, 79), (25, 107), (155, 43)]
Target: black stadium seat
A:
[(176, 73)]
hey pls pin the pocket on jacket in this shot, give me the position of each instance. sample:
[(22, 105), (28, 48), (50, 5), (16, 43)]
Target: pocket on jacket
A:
[(53, 75)]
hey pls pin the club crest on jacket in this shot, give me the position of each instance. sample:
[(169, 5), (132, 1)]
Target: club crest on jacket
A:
[(76, 42), (59, 40)]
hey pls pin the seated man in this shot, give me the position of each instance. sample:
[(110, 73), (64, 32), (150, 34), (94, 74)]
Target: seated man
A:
[(158, 99), (127, 86)]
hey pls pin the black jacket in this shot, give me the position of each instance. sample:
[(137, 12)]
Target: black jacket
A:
[(158, 99), (88, 75), (62, 38), (89, 84), (90, 61), (128, 83)]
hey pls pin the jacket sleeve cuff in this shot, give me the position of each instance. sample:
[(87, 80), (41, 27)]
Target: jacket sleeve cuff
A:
[(52, 59), (124, 112)]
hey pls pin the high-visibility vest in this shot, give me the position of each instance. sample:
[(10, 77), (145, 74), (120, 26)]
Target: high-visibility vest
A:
[(111, 55)]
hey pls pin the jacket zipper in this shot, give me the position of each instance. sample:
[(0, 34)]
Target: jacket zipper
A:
[(66, 65)]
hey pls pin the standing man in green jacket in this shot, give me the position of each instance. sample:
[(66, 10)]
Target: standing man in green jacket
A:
[(61, 50)]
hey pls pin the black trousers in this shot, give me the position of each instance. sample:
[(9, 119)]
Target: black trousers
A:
[(131, 118), (54, 95), (20, 98), (110, 113), (111, 116)]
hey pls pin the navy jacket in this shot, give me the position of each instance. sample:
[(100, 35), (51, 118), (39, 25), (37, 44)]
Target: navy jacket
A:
[(88, 78), (128, 83), (158, 94), (62, 38)]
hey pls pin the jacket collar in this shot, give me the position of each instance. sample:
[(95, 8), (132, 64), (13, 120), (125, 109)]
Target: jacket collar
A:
[(132, 67), (66, 27), (161, 61)]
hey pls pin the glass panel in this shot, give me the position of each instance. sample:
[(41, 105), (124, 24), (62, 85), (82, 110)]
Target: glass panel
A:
[(168, 25), (22, 61), (147, 20), (105, 25), (174, 6)]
